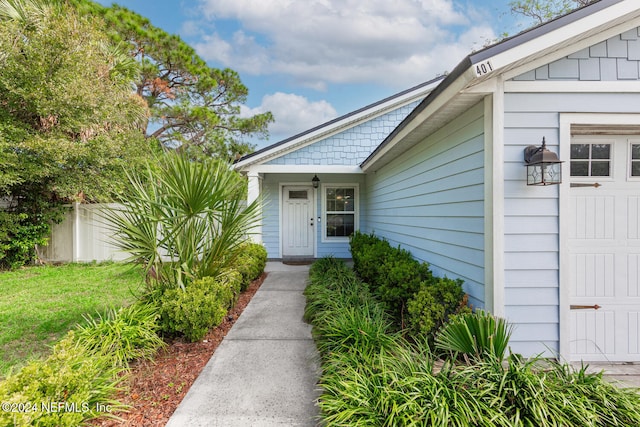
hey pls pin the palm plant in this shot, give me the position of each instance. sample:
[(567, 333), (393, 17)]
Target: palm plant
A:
[(183, 220), (476, 335)]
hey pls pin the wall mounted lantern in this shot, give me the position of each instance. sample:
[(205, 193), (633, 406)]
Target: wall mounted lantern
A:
[(543, 166), (315, 181)]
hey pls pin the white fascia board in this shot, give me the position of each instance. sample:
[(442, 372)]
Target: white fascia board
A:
[(326, 169), (443, 98), (582, 86), (348, 122), (541, 43)]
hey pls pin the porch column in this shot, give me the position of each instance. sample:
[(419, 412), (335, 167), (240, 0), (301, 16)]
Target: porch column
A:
[(253, 194)]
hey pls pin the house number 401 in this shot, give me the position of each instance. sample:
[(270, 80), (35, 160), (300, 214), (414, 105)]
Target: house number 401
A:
[(483, 68)]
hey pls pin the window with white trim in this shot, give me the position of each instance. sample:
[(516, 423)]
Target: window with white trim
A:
[(591, 159), (340, 211)]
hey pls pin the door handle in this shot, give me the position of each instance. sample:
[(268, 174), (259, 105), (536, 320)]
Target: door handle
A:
[(585, 307), (311, 222), (577, 184)]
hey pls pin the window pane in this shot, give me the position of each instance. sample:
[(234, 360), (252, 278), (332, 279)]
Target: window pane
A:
[(599, 168), (341, 199), (635, 151), (579, 169), (635, 168), (601, 151), (579, 151), (298, 194), (340, 225)]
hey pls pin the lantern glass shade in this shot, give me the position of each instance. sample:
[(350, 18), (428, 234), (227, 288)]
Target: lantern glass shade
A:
[(544, 174), (543, 166), (315, 181)]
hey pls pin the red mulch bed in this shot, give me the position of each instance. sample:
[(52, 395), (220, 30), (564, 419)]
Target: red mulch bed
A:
[(155, 388)]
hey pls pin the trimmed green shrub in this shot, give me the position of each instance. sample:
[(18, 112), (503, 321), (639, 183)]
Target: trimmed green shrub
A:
[(201, 305), (476, 336), (72, 385), (250, 262), (399, 278), (123, 335), (368, 253), (433, 305), (392, 273)]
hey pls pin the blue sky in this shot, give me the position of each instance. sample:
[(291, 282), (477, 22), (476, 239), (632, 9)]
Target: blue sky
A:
[(309, 61)]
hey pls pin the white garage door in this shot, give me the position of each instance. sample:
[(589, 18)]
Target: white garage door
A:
[(604, 246)]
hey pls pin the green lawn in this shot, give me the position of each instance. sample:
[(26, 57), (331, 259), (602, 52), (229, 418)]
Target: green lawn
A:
[(38, 305)]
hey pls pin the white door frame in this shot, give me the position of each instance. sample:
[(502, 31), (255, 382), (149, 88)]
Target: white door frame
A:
[(566, 120), (314, 201)]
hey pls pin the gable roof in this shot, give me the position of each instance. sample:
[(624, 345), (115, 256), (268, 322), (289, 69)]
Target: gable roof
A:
[(339, 124), (584, 26)]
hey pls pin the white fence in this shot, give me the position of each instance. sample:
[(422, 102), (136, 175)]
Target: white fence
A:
[(81, 237)]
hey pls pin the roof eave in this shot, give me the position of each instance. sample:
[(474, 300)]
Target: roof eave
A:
[(336, 125), (501, 55)]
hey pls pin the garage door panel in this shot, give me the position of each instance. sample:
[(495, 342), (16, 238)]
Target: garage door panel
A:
[(593, 334), (604, 257), (633, 225), (633, 322), (594, 217), (633, 275), (593, 275)]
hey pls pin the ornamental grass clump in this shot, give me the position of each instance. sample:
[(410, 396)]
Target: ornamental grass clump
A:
[(373, 376), (123, 335)]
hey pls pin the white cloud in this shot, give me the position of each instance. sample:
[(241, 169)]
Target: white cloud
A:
[(292, 113), (318, 42)]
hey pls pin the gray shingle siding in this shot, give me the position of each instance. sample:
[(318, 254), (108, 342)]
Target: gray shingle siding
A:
[(617, 58)]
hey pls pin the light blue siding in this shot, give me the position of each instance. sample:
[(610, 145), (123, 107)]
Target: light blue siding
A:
[(271, 223), (429, 200), (531, 213), (349, 147)]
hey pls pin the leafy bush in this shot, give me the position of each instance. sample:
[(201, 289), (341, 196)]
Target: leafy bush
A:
[(476, 336), (393, 274), (21, 232), (368, 253), (201, 305), (377, 378), (123, 335), (250, 262), (433, 305), (73, 376), (399, 278)]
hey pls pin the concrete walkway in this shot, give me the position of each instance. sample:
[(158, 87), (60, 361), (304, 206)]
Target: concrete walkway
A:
[(264, 373)]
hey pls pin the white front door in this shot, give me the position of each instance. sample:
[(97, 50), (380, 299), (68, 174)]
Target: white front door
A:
[(604, 248), (297, 221)]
